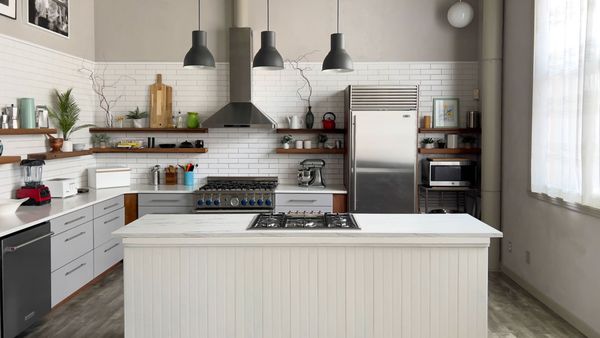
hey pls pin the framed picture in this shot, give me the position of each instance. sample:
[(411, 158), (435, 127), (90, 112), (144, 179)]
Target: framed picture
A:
[(445, 113), (9, 8), (51, 15)]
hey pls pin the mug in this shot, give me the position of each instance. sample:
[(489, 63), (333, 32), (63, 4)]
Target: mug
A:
[(307, 144), (188, 178), (199, 143), (299, 144)]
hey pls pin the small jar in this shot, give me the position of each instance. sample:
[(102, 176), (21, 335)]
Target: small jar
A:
[(192, 120)]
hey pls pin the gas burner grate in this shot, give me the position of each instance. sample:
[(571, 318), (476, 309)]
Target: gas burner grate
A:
[(304, 221)]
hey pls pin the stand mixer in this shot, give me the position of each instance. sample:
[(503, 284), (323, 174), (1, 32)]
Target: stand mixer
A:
[(310, 173)]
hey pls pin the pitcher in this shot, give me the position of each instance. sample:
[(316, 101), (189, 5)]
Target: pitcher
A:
[(295, 122)]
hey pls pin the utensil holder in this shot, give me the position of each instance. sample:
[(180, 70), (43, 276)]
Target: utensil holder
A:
[(188, 178), (171, 178)]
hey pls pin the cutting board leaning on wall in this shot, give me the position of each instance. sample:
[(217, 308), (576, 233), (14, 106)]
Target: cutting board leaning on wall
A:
[(161, 104)]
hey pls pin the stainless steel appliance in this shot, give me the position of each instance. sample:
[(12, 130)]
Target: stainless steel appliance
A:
[(13, 116), (310, 173), (25, 278), (236, 194), (382, 148), (449, 172), (303, 221), (41, 117)]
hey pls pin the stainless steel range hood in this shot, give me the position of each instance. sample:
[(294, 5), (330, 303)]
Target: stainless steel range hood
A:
[(240, 112)]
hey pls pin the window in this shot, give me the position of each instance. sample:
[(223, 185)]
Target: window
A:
[(565, 147)]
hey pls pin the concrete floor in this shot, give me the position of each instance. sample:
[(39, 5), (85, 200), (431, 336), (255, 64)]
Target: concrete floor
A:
[(98, 312)]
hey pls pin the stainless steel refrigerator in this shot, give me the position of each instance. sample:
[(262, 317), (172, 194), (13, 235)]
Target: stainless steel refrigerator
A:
[(381, 124)]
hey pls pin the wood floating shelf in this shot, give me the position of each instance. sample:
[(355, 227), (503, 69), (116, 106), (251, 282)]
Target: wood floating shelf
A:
[(310, 131), (22, 131), (149, 130), (10, 159), (450, 130), (150, 150), (309, 151), (450, 151), (58, 155)]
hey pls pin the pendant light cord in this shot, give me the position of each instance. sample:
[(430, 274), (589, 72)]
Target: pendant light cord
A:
[(338, 16), (199, 15), (268, 23)]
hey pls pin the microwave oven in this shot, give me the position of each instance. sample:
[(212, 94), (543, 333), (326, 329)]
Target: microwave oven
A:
[(449, 172)]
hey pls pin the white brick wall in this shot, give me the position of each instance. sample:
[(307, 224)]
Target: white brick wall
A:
[(33, 71)]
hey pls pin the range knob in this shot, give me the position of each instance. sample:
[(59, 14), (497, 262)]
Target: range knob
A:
[(252, 202), (217, 202), (208, 202), (259, 202), (234, 202), (200, 203), (244, 202), (268, 202)]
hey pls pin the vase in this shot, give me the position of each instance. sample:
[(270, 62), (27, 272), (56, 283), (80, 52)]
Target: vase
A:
[(429, 146), (138, 123), (67, 146), (55, 144), (286, 146), (26, 113), (309, 118), (192, 120)]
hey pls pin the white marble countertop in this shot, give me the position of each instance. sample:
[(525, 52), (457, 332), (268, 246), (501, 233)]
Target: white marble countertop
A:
[(295, 189), (372, 225)]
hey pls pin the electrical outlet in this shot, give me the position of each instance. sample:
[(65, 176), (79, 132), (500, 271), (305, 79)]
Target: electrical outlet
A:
[(509, 247), (527, 257)]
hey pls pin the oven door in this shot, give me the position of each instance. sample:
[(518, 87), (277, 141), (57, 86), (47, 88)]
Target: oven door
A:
[(452, 174)]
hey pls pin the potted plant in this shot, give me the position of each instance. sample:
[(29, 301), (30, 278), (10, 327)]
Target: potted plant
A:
[(286, 140), (469, 141), (441, 143), (65, 115), (100, 140), (322, 138), (429, 143), (137, 117)]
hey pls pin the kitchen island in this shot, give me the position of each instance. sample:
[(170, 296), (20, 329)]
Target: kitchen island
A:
[(400, 275)]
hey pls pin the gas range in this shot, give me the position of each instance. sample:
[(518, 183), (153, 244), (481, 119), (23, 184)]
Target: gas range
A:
[(304, 221), (237, 194)]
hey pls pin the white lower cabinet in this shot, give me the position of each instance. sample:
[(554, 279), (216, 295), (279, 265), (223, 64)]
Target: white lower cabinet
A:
[(107, 255), (70, 245), (305, 202), (71, 277)]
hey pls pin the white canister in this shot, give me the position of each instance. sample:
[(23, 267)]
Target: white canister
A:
[(299, 144), (452, 141), (307, 144), (67, 146)]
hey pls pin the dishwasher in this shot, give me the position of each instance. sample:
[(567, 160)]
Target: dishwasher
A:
[(25, 279)]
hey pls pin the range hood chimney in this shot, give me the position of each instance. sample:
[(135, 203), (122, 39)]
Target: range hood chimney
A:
[(240, 111)]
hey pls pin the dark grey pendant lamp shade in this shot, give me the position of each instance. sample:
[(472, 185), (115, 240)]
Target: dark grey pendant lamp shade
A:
[(267, 56), (199, 56), (337, 60)]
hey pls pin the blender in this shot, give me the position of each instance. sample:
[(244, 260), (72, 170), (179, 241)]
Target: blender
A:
[(33, 189)]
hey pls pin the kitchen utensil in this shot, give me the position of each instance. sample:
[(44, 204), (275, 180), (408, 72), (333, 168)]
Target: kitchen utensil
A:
[(9, 206), (34, 190), (167, 145), (26, 112), (13, 116), (79, 146), (473, 119), (299, 144), (4, 120), (62, 187), (41, 117), (161, 103), (294, 122), (171, 175), (186, 144), (192, 120), (109, 177), (328, 120), (155, 173), (199, 143)]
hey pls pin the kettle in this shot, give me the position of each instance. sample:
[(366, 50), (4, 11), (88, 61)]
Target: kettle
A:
[(295, 122), (329, 120)]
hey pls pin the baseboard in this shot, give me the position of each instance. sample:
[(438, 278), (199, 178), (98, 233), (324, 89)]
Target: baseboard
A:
[(554, 306)]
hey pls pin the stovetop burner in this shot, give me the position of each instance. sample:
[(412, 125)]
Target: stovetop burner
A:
[(303, 221), (240, 183)]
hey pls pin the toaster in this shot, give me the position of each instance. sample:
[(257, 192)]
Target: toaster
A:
[(62, 187)]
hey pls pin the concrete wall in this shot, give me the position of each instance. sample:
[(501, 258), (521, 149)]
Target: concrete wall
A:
[(564, 269), (376, 30), (81, 37)]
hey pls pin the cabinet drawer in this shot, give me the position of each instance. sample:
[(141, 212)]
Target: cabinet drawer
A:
[(71, 277), (71, 244), (107, 255), (300, 208), (107, 206), (105, 225), (304, 200), (71, 220), (164, 210), (165, 200)]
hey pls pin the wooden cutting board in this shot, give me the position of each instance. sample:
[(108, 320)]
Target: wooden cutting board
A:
[(161, 104)]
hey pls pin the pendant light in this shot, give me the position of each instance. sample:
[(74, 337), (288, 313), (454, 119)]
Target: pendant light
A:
[(199, 57), (337, 60), (267, 56), (460, 14)]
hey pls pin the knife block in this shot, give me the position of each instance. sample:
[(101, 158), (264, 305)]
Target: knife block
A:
[(171, 178)]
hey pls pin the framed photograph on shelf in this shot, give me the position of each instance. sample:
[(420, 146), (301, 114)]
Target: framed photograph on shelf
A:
[(51, 15), (8, 8), (445, 112)]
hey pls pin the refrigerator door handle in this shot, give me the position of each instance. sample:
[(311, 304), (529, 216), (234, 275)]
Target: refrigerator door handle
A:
[(354, 197)]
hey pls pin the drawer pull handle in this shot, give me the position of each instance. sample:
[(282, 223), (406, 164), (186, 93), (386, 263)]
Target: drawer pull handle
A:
[(167, 201), (303, 201), (75, 220), (111, 206), (112, 219), (75, 236), (77, 268), (111, 247), (15, 248)]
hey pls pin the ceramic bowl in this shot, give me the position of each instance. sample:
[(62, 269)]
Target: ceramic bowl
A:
[(8, 206), (79, 146)]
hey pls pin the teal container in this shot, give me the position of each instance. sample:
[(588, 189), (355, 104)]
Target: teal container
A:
[(26, 113), (188, 178)]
